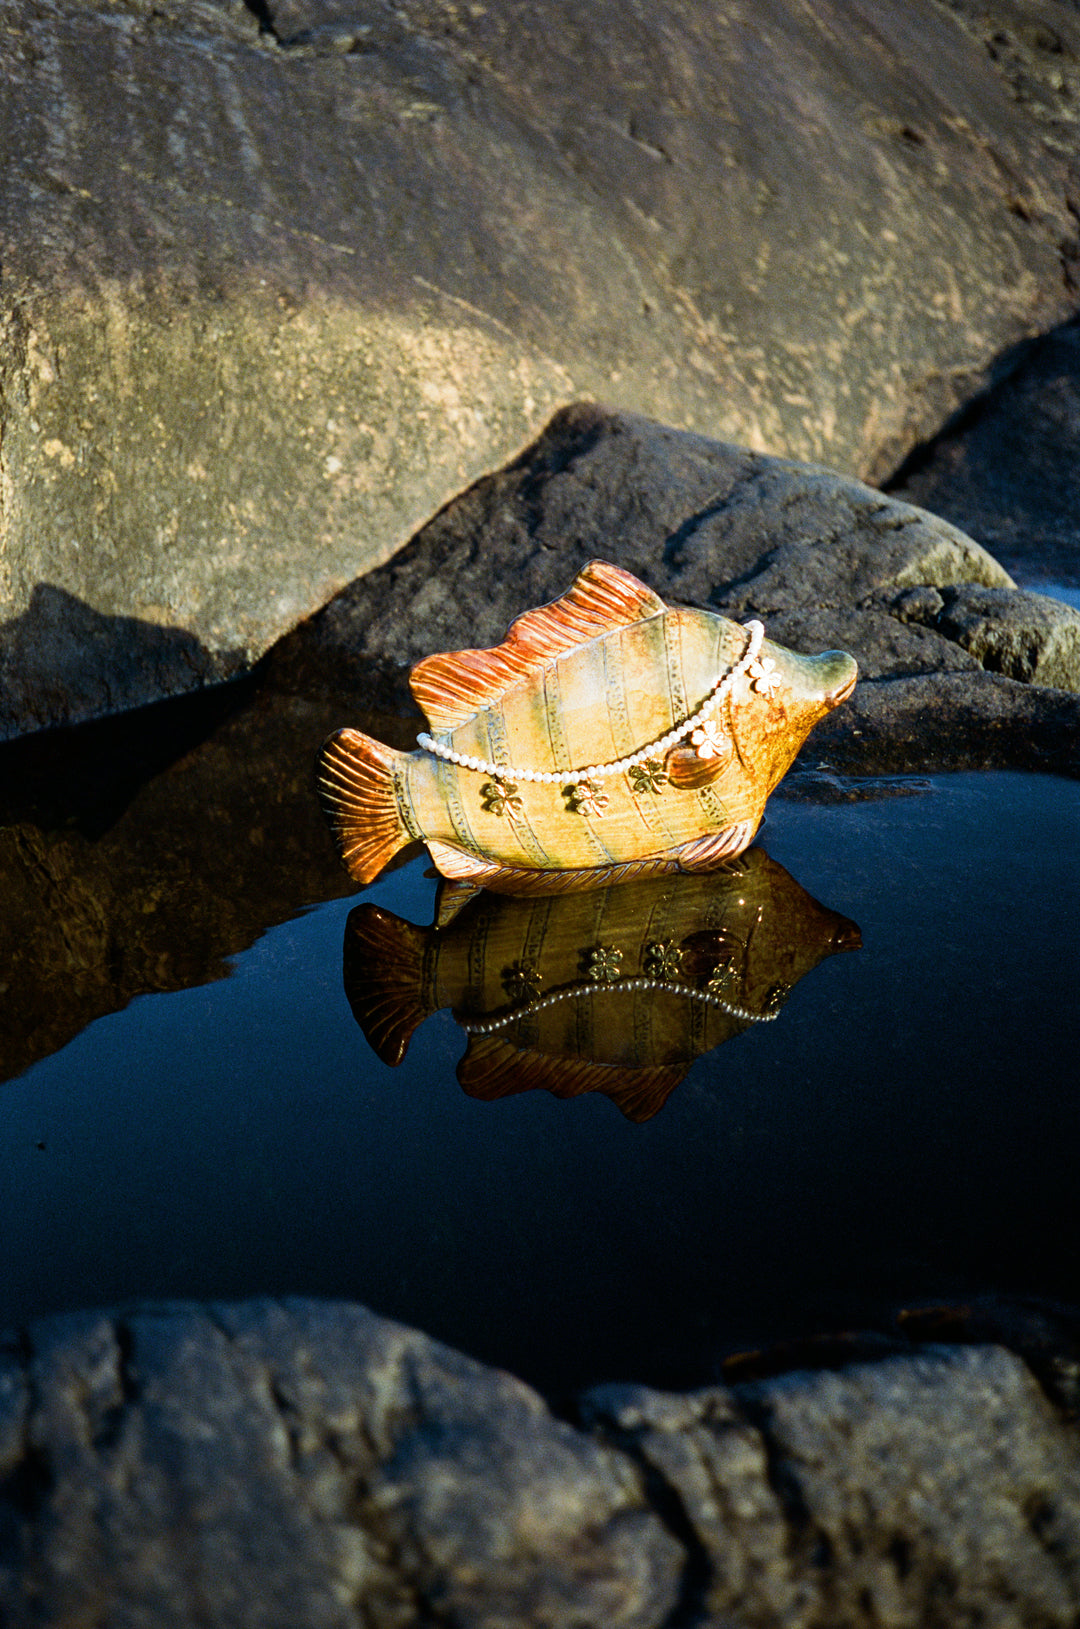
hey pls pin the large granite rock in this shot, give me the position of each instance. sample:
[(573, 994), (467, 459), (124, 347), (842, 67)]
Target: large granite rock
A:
[(1008, 469), (286, 1464), (281, 278), (957, 668)]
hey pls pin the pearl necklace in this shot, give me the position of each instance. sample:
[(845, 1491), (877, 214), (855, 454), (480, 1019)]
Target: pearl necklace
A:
[(621, 987), (655, 749)]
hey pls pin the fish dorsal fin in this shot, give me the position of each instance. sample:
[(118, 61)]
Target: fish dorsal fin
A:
[(455, 685)]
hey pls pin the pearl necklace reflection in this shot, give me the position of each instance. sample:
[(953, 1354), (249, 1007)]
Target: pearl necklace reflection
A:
[(660, 986)]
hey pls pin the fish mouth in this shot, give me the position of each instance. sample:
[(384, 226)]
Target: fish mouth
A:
[(843, 692), (844, 683)]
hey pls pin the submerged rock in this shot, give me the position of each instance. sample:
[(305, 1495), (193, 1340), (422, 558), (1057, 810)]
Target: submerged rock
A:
[(286, 1463), (299, 271)]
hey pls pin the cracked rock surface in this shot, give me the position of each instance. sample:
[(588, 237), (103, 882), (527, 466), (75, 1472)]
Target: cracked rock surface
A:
[(299, 1463), (957, 668), (282, 278)]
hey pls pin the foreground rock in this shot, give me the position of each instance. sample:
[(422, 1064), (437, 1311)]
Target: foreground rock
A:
[(281, 278), (957, 669), (278, 1464)]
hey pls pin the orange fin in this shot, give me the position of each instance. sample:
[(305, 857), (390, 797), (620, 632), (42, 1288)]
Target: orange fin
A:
[(687, 771), (705, 853), (459, 865), (451, 899), (355, 778), (383, 975), (451, 687), (494, 1068)]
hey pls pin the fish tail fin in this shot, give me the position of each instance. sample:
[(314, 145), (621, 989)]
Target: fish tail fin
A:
[(384, 979), (355, 778)]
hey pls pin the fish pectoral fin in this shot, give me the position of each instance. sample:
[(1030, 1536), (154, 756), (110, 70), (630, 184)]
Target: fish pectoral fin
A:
[(686, 770), (494, 1068), (459, 865), (706, 853), (451, 899), (454, 685)]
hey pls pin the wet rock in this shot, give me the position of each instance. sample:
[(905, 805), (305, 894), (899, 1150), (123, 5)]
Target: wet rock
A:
[(301, 271), (922, 1489), (824, 561), (299, 1463), (304, 1464), (1025, 636)]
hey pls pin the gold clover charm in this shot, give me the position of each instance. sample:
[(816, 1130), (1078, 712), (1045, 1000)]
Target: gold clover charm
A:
[(775, 999), (663, 960), (602, 964), (721, 978), (585, 798), (522, 981), (501, 798), (647, 777)]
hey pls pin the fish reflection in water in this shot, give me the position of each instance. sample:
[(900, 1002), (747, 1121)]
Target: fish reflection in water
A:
[(615, 991)]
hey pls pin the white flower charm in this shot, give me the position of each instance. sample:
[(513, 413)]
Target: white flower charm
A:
[(763, 675), (710, 740)]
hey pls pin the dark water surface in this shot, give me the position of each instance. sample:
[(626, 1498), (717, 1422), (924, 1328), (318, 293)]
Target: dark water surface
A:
[(906, 1129)]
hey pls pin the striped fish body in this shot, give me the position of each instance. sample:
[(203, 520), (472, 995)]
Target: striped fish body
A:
[(550, 763), (616, 990)]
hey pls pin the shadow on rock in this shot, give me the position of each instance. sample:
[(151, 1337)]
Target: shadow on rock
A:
[(63, 662), (1007, 468)]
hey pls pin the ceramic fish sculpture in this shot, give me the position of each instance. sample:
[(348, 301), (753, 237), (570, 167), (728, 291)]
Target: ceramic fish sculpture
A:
[(609, 736), (617, 990)]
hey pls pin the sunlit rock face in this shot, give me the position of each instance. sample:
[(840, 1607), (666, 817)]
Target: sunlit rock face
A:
[(297, 274)]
